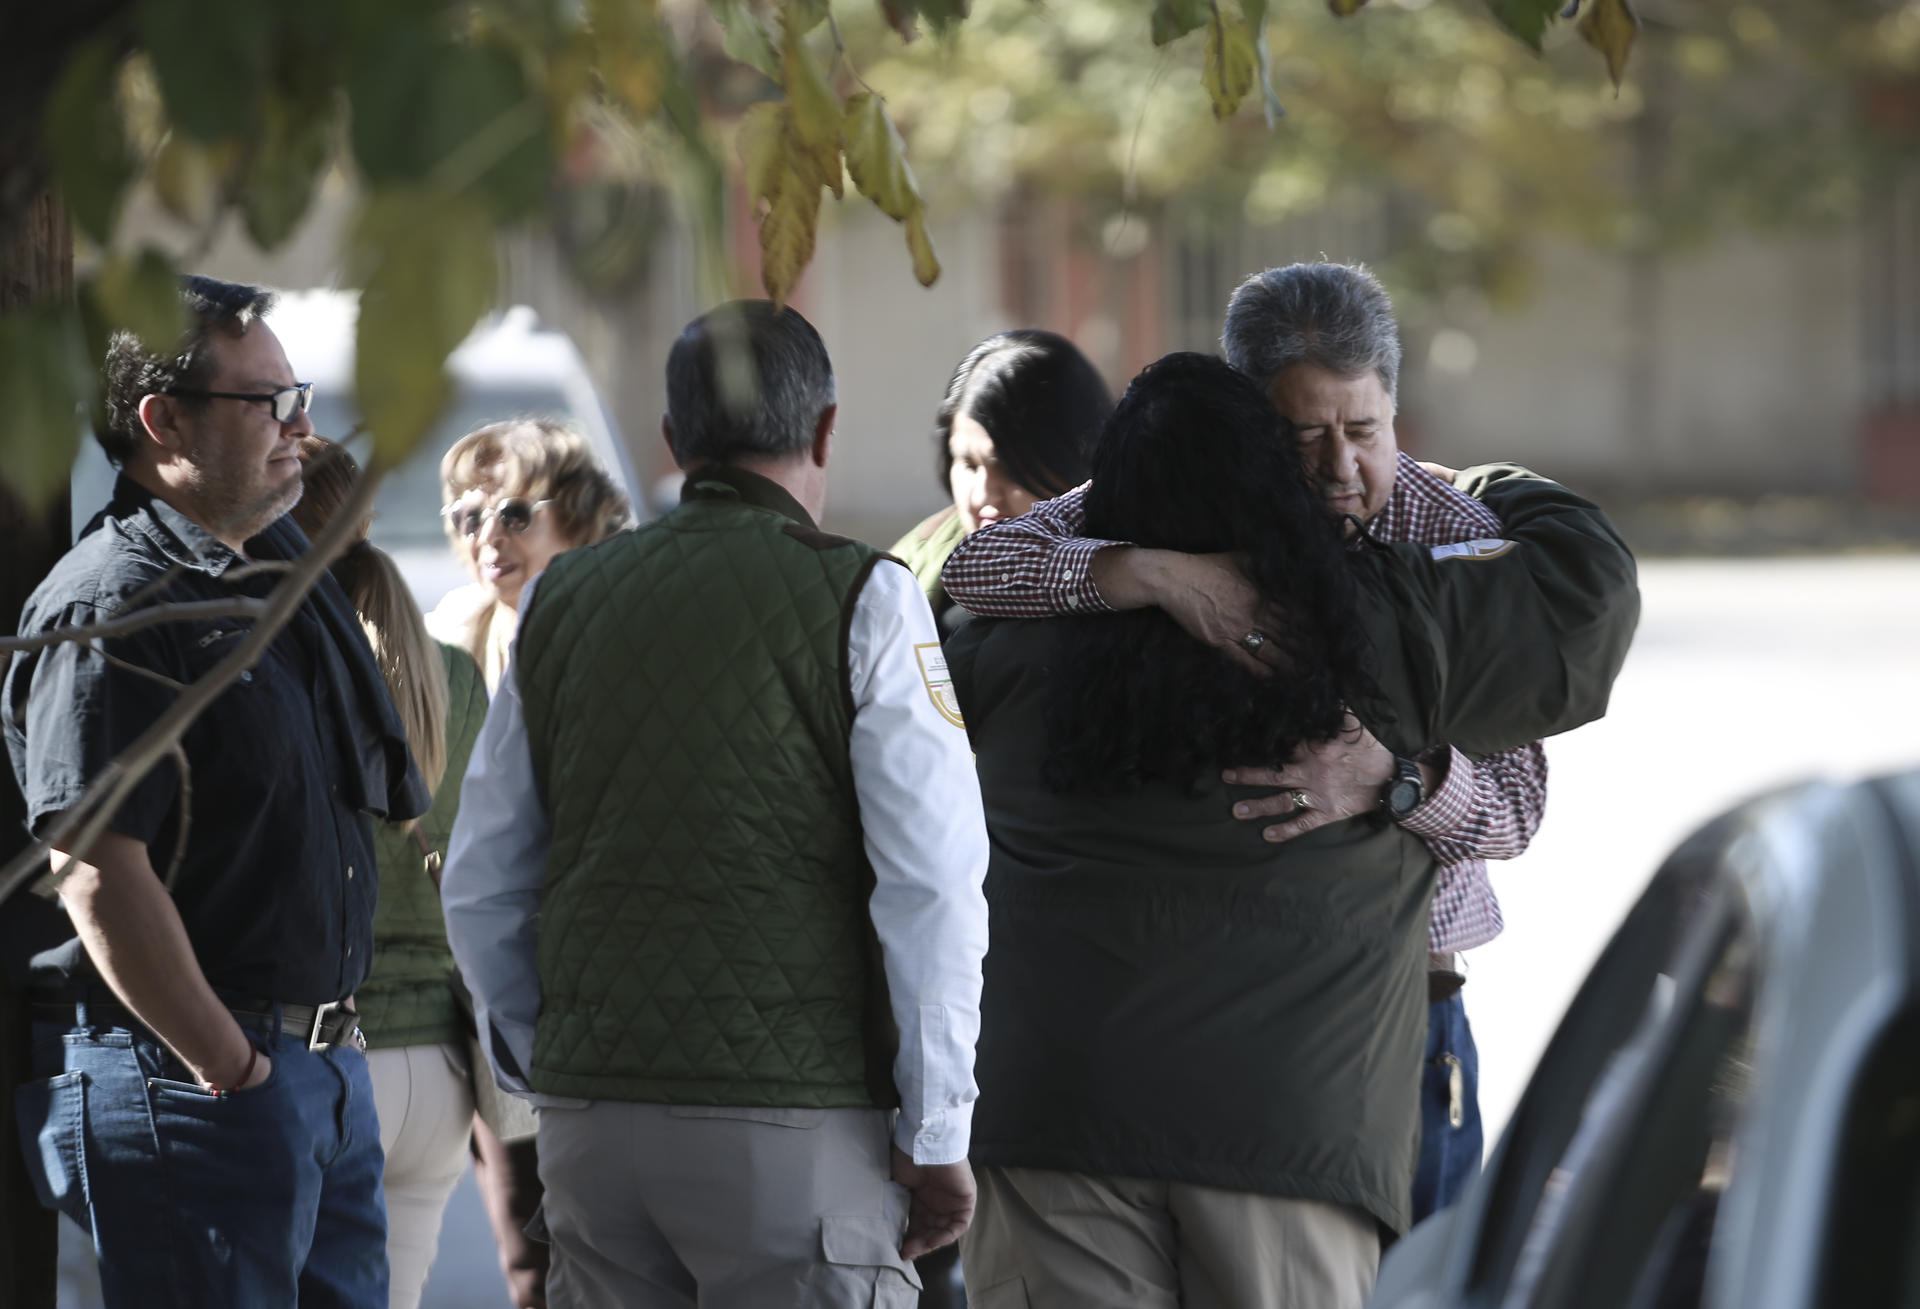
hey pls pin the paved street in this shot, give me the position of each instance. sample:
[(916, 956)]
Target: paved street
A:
[(1745, 675)]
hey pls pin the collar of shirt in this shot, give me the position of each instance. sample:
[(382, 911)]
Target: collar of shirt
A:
[(172, 533)]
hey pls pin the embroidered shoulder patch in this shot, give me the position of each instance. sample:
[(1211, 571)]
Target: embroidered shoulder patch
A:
[(933, 671), (1484, 548)]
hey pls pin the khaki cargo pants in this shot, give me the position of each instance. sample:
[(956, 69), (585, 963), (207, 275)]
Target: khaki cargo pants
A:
[(680, 1205), (1048, 1240)]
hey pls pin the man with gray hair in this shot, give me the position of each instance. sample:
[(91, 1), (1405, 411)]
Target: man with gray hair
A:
[(716, 880), (1321, 339)]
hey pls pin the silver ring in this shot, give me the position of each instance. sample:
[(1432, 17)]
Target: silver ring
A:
[(1301, 802), (1252, 642)]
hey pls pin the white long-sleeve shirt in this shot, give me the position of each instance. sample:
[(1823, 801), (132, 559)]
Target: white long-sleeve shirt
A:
[(924, 832)]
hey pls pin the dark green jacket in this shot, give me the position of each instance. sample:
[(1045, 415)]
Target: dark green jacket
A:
[(1493, 649), (704, 933), (1169, 996), (405, 1000)]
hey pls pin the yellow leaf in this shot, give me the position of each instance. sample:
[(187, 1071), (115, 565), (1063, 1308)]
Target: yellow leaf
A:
[(877, 157), (926, 264), (1610, 26), (1232, 62), (628, 39), (762, 138), (788, 226), (816, 109)]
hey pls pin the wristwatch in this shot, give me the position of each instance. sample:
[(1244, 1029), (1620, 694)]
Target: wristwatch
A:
[(1403, 791)]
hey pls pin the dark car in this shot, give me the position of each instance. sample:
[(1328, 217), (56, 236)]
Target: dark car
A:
[(1729, 1114)]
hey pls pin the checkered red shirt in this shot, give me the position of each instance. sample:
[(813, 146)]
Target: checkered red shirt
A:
[(1036, 565)]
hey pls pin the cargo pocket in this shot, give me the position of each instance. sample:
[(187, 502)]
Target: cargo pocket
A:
[(861, 1246), (1010, 1294), (52, 1118)]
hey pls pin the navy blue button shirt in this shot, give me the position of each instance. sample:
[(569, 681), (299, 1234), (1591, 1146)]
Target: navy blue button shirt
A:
[(275, 876)]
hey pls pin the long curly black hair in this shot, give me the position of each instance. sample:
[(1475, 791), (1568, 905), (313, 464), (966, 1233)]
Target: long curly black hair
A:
[(1195, 459)]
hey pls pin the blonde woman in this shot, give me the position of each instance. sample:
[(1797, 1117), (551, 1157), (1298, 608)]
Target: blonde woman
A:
[(416, 1054), (517, 494)]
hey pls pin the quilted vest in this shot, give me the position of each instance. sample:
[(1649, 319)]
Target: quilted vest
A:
[(704, 935)]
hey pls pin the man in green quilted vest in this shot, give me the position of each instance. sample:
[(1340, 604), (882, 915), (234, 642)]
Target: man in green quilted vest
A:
[(716, 880)]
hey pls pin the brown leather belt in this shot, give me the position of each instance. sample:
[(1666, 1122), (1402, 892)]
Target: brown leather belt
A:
[(319, 1026), (1444, 978)]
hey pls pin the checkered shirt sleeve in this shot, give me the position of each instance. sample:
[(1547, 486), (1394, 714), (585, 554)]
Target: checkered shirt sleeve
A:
[(1033, 566), (1485, 809)]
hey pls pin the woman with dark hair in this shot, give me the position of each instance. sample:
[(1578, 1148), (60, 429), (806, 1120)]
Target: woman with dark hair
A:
[(1017, 425), (1200, 1051)]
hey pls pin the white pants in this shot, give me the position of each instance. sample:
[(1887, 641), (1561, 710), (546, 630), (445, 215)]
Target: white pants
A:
[(425, 1103)]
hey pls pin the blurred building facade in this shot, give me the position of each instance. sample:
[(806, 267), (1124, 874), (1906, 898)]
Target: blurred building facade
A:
[(1754, 367)]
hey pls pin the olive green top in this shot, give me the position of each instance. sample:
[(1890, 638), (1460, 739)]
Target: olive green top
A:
[(405, 1000)]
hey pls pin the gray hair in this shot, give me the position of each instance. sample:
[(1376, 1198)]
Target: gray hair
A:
[(1337, 316), (746, 381), (136, 369)]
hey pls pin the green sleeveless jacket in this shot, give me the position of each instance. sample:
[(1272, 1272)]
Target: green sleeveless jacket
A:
[(704, 936), (405, 1000)]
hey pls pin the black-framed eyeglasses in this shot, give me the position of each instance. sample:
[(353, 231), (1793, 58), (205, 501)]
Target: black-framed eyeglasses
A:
[(515, 514), (285, 403)]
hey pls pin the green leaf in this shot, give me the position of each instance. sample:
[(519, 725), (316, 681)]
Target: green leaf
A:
[(191, 179), (815, 123), (877, 158), (1526, 19), (295, 146), (427, 270), (46, 378), (1610, 27), (212, 58), (141, 294), (86, 140), (747, 37), (802, 16), (1346, 8), (424, 106), (1231, 63), (926, 264), (1173, 19)]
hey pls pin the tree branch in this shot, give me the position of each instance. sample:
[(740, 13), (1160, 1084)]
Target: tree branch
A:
[(79, 827), (185, 612)]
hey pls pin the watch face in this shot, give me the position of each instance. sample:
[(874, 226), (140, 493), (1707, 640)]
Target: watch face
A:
[(1403, 796)]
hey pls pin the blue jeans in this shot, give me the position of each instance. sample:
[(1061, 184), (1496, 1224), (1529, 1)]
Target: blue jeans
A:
[(269, 1196), (1449, 1154)]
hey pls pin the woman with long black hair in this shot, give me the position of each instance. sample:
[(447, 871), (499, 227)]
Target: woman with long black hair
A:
[(1200, 1051)]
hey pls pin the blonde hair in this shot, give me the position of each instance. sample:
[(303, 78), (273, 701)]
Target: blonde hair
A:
[(541, 460), (409, 659)]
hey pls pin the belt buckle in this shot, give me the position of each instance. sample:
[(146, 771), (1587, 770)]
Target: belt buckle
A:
[(320, 1016)]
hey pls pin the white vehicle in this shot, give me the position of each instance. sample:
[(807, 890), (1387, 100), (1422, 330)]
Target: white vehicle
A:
[(510, 367)]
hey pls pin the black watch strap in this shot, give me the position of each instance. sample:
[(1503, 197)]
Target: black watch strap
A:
[(1404, 791)]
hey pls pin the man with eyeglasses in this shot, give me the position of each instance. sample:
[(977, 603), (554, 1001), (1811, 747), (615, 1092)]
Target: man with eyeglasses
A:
[(204, 1108)]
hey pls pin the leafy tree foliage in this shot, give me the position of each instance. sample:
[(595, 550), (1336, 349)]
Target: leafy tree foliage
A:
[(464, 120)]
